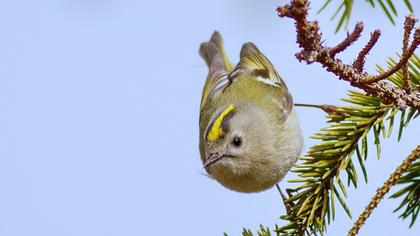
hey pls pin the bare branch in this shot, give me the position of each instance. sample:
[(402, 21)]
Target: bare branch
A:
[(308, 36), (359, 63), (410, 21), (403, 61), (351, 38), (329, 109)]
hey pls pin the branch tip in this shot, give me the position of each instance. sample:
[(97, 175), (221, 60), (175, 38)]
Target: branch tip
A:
[(408, 27), (360, 61), (351, 38)]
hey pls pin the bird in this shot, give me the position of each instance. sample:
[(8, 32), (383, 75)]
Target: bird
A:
[(249, 131)]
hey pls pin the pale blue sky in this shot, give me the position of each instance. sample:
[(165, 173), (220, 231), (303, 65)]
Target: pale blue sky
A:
[(99, 116)]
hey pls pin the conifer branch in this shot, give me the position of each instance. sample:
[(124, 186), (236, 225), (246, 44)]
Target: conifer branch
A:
[(344, 144), (310, 40), (380, 193), (411, 193), (319, 170)]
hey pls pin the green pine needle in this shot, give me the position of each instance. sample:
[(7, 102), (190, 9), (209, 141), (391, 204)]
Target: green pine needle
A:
[(345, 8)]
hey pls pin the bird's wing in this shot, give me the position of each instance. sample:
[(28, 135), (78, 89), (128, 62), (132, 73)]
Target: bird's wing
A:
[(258, 66), (254, 64)]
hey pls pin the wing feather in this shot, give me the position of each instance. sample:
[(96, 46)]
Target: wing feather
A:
[(254, 62)]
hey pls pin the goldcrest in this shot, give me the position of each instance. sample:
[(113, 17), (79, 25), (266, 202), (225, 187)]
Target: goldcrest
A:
[(249, 131)]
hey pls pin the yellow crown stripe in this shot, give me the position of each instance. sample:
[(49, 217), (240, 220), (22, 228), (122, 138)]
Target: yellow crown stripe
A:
[(216, 130)]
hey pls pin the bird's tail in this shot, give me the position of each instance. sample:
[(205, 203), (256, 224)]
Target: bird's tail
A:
[(214, 54)]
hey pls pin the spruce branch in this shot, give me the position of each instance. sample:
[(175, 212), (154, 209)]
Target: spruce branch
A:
[(345, 139), (309, 39), (344, 144), (380, 193), (313, 201), (411, 191)]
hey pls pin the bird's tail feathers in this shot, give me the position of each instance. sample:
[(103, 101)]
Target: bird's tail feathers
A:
[(213, 53), (216, 38)]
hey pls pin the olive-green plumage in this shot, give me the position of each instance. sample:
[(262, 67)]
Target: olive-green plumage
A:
[(249, 132)]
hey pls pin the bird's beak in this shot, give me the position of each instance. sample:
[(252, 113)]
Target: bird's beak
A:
[(213, 158)]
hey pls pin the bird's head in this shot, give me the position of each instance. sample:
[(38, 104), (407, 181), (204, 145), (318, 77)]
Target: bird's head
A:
[(240, 148)]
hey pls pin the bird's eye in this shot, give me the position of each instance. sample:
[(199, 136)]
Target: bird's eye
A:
[(237, 141)]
